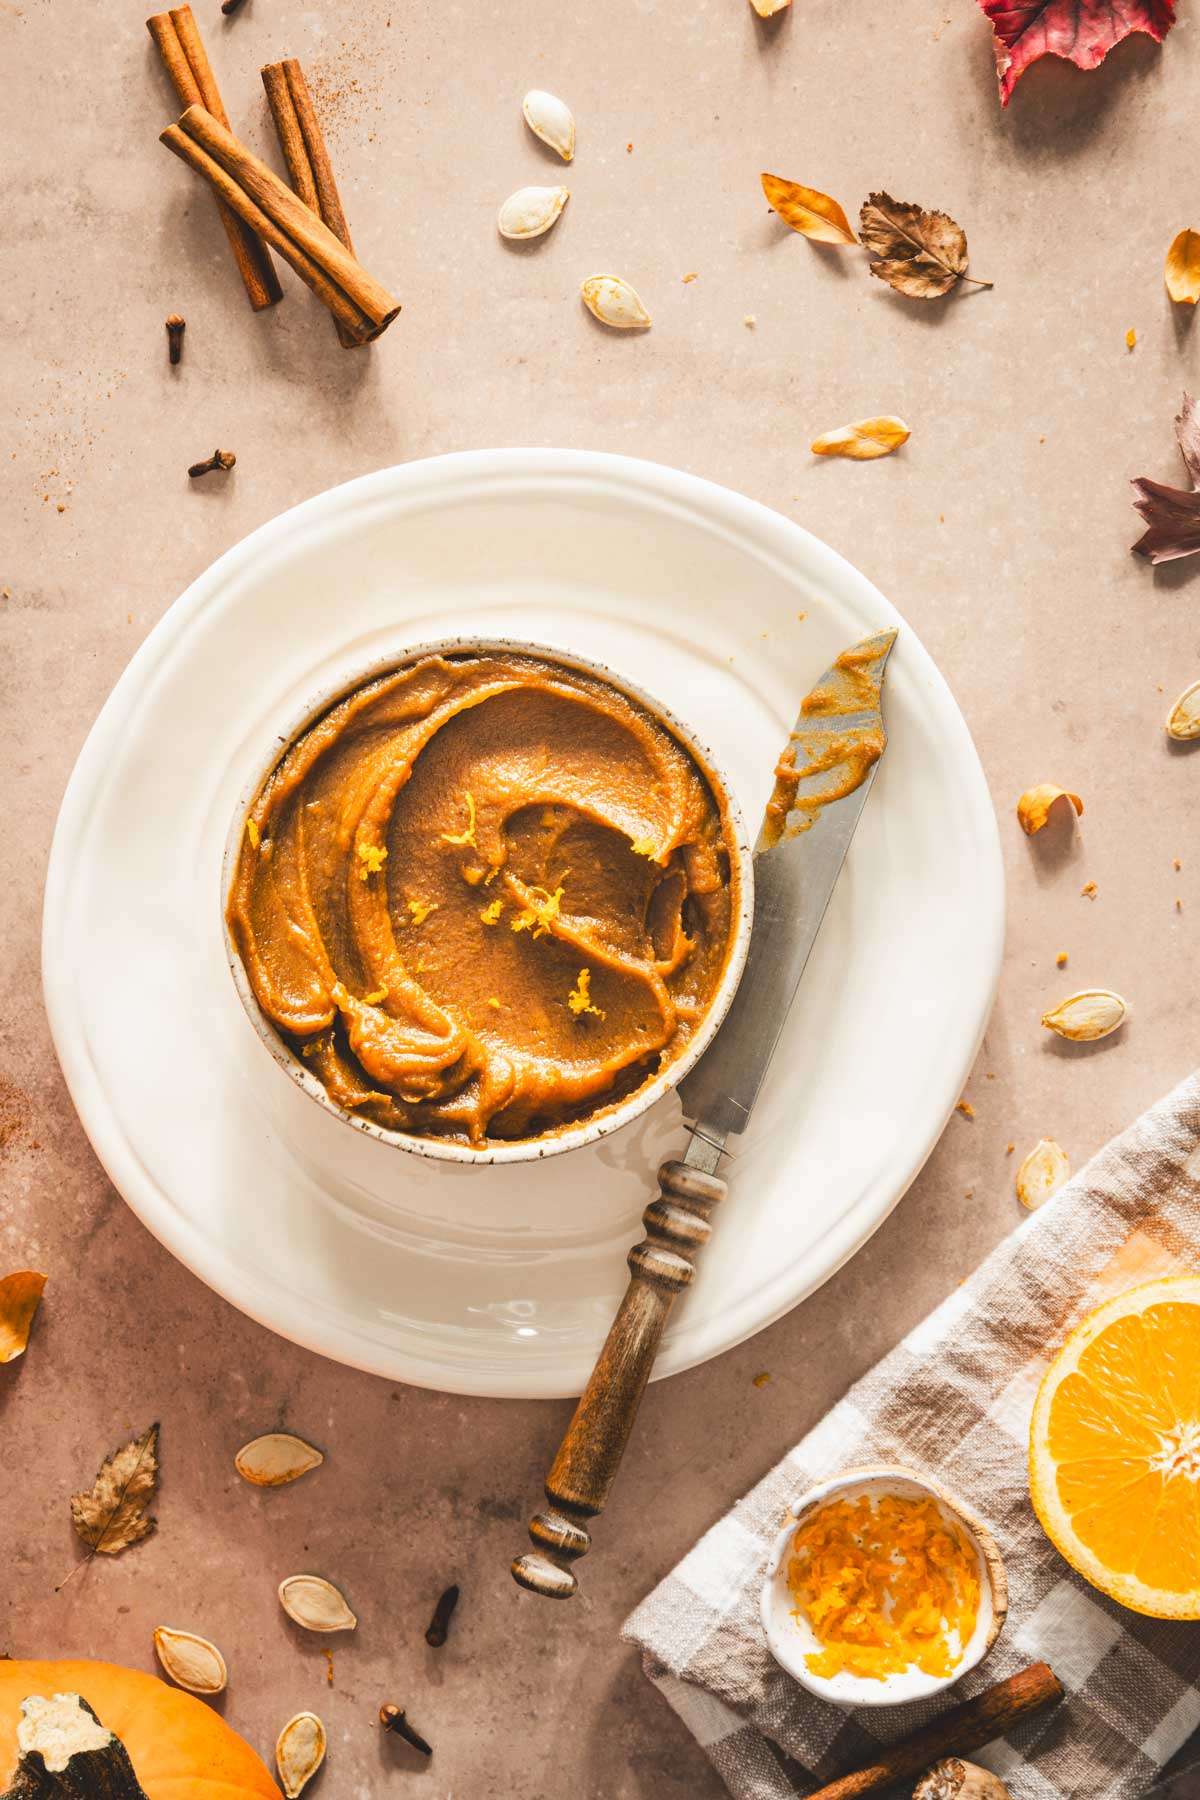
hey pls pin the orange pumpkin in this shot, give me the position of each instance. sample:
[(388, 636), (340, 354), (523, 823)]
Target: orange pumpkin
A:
[(180, 1748)]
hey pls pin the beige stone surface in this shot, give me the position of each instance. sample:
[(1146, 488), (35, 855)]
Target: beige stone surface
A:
[(1001, 532)]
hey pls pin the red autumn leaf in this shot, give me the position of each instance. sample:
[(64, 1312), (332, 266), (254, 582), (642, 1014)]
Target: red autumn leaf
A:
[(1081, 31)]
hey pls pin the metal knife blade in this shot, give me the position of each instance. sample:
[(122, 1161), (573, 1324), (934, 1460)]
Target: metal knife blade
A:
[(797, 860)]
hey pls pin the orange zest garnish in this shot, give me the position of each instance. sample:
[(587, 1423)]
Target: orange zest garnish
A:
[(537, 915), (372, 857), (463, 838), (580, 998)]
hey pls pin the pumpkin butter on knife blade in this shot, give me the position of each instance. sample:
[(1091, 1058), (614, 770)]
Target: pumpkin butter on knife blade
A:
[(485, 897)]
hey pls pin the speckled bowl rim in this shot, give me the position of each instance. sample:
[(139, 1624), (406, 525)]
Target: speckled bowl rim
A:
[(590, 1131), (977, 1531)]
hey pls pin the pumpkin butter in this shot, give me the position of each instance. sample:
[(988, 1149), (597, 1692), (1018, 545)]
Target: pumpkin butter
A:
[(485, 897)]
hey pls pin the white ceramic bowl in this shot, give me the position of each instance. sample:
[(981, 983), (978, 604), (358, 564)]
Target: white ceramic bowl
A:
[(589, 1130), (790, 1639)]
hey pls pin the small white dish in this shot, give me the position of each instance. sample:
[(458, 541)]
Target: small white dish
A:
[(791, 1639)]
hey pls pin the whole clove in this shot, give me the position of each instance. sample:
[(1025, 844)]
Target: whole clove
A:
[(220, 459), (175, 329), (443, 1612), (392, 1719), (230, 6)]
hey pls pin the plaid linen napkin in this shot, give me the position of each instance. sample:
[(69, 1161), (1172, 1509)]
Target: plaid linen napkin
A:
[(954, 1400)]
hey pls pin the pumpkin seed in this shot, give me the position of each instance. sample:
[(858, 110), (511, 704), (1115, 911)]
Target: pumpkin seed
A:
[(550, 119), (1082, 1018), (276, 1459), (614, 302), (299, 1752), (1042, 1173), (531, 211), (1184, 720), (191, 1662), (315, 1603)]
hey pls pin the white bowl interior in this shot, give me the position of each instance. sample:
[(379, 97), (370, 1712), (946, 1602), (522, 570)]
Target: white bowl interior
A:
[(791, 1637), (588, 1131)]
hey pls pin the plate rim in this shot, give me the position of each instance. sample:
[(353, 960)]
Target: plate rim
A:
[(654, 482)]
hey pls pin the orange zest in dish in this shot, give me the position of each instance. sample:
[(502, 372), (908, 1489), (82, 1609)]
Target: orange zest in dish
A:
[(490, 914), (420, 909), (885, 1587)]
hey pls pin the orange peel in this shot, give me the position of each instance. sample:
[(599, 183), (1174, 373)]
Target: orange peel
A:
[(1036, 803)]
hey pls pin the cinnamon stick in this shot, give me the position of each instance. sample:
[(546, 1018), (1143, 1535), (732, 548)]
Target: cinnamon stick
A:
[(303, 146), (967, 1727), (265, 203), (186, 61)]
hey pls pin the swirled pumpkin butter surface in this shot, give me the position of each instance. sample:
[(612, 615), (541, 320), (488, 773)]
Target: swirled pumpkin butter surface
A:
[(485, 897)]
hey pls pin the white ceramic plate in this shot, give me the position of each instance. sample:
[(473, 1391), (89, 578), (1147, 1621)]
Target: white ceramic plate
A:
[(502, 1281)]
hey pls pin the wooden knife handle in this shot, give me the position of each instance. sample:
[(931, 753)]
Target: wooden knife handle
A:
[(661, 1266)]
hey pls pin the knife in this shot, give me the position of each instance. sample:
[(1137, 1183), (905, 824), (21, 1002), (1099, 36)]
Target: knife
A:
[(821, 785)]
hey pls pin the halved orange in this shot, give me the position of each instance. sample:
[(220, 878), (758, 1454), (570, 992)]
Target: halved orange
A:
[(1114, 1449)]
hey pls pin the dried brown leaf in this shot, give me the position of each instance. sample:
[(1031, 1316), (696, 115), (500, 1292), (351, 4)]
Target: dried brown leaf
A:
[(111, 1514), (920, 254), (1172, 514), (864, 440), (20, 1297), (808, 211), (1182, 273)]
